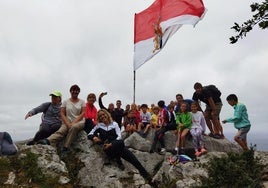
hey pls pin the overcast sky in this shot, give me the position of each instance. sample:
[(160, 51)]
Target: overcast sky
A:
[(53, 44)]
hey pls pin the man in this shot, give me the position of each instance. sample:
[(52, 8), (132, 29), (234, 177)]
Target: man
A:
[(51, 118), (210, 95), (118, 113)]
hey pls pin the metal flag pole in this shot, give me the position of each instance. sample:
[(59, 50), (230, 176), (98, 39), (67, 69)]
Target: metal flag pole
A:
[(134, 86)]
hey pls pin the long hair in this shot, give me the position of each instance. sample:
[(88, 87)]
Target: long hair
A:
[(106, 113)]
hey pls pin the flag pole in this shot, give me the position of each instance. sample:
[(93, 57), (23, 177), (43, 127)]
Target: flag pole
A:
[(134, 86)]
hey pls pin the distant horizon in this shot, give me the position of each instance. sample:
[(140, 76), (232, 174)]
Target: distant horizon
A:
[(254, 137)]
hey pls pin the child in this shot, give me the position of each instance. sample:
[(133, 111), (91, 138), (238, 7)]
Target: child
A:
[(154, 118), (197, 130), (240, 120), (184, 123), (145, 120), (162, 121), (130, 123)]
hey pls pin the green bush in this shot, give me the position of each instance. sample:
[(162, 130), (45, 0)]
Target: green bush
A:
[(235, 170)]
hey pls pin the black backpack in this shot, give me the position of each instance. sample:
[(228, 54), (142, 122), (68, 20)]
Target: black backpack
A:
[(214, 90)]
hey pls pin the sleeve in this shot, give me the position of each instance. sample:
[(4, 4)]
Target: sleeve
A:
[(42, 108), (203, 122), (237, 115), (188, 121), (195, 97), (92, 133), (178, 118), (118, 131), (101, 104)]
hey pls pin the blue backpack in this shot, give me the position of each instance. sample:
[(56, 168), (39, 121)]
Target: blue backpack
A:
[(7, 146)]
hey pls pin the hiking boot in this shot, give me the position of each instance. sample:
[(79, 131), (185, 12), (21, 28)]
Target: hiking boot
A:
[(203, 151), (44, 142), (121, 166), (151, 151)]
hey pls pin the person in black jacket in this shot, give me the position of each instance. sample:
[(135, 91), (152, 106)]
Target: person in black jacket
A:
[(108, 134)]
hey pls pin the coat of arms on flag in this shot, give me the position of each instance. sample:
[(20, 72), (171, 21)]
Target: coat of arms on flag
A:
[(156, 24)]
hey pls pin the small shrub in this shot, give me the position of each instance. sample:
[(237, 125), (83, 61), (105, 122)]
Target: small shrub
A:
[(235, 170)]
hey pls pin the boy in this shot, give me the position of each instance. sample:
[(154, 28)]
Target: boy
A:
[(240, 120)]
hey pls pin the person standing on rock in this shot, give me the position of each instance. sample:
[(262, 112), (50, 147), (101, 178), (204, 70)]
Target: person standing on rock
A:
[(107, 133), (240, 120), (51, 118), (210, 95)]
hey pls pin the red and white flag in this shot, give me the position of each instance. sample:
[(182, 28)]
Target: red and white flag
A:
[(161, 20)]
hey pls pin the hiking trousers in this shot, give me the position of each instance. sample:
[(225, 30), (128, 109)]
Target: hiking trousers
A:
[(45, 131), (69, 134), (118, 150)]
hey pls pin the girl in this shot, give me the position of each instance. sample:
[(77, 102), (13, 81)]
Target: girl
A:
[(184, 123), (197, 130)]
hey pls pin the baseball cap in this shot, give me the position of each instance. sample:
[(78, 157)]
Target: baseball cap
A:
[(55, 93)]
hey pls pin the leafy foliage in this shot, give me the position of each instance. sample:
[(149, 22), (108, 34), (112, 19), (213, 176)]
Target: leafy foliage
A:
[(27, 172), (235, 170), (260, 18)]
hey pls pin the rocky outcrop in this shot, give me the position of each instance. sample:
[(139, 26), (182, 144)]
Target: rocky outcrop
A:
[(84, 165)]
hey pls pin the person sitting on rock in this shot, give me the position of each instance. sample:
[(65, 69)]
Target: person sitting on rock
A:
[(198, 129), (51, 118), (107, 133), (184, 123), (72, 113)]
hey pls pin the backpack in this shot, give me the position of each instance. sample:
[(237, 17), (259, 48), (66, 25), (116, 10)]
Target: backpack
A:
[(214, 90), (7, 146)]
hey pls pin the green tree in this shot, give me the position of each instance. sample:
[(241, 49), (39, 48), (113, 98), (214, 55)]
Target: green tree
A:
[(260, 18)]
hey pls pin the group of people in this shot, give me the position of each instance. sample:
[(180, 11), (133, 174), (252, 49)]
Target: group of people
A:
[(63, 120)]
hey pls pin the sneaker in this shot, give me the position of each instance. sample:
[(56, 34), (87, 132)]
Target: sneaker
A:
[(162, 151), (30, 143), (64, 152), (121, 166), (197, 153), (44, 142), (222, 136), (203, 151), (107, 161), (216, 136)]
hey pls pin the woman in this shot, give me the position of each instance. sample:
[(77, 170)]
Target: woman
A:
[(90, 113), (107, 133), (51, 118), (72, 114)]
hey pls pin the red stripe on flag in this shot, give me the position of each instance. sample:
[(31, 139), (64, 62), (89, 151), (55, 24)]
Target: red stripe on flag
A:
[(164, 9)]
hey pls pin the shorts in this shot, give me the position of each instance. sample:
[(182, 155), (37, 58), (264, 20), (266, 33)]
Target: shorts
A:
[(242, 133), (218, 107), (144, 124)]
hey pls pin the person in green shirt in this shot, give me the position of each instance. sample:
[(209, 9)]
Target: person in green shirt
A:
[(240, 120), (184, 123)]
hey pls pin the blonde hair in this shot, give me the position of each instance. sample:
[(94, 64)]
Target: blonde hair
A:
[(106, 113)]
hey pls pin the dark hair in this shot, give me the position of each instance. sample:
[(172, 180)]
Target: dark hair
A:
[(144, 106), (197, 85), (179, 95), (91, 95), (75, 88), (232, 97), (161, 104)]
